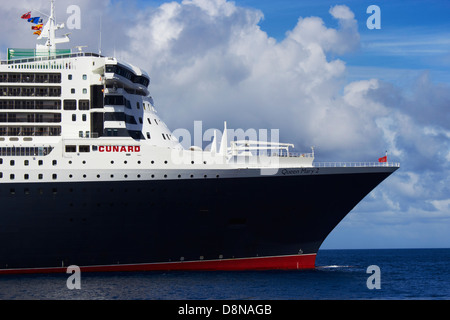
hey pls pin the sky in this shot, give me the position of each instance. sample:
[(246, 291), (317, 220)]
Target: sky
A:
[(311, 69)]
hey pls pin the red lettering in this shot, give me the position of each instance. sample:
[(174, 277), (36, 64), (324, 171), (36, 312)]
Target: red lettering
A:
[(130, 149), (123, 149), (101, 149), (108, 148), (115, 149), (137, 149)]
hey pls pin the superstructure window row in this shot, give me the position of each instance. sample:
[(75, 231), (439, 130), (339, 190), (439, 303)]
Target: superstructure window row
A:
[(72, 105), (117, 101), (31, 104), (121, 71), (29, 117), (30, 91), (30, 77), (114, 116), (120, 116), (25, 151), (29, 131)]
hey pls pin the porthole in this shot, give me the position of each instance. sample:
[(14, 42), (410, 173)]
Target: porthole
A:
[(139, 176), (70, 176), (165, 162), (153, 176), (165, 176), (179, 176), (98, 176), (84, 176), (192, 175), (126, 176)]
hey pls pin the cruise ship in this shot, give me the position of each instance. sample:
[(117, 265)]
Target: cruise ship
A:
[(91, 176)]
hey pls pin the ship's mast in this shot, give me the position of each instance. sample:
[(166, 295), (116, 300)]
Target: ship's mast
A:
[(49, 32)]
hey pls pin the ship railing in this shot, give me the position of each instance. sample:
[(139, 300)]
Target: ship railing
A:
[(282, 154), (272, 149), (355, 164), (51, 57)]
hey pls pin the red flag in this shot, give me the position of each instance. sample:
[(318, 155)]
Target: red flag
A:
[(27, 15), (384, 159)]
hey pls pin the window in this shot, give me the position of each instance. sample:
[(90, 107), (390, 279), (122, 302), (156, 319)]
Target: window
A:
[(74, 117), (70, 104), (84, 76), (71, 148), (54, 176), (148, 135), (40, 176), (54, 162), (12, 176), (164, 136), (26, 163), (84, 149), (26, 176), (84, 117), (130, 119), (149, 122), (70, 77), (83, 105), (84, 91), (72, 90)]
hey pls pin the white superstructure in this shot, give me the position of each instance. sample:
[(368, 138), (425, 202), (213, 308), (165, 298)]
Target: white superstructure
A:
[(84, 117)]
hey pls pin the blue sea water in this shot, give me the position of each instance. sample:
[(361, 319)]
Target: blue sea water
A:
[(405, 274)]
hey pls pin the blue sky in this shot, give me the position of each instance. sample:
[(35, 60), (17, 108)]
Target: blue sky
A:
[(311, 69)]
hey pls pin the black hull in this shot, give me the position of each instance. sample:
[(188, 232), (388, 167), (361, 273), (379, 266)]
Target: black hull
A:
[(119, 223)]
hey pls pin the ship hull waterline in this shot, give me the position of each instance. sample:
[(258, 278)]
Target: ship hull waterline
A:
[(260, 223)]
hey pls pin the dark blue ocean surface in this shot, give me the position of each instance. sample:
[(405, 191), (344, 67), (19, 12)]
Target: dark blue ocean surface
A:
[(340, 274)]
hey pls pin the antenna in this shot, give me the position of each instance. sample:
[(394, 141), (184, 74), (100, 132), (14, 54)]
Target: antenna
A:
[(80, 48), (100, 42), (49, 32)]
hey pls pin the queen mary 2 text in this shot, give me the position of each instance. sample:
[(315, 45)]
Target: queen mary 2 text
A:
[(128, 149)]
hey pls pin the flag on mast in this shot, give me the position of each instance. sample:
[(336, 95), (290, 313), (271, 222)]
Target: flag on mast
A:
[(37, 27), (35, 20), (27, 15), (384, 159)]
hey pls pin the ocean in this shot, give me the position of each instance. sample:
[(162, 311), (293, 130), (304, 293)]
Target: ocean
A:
[(398, 274)]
